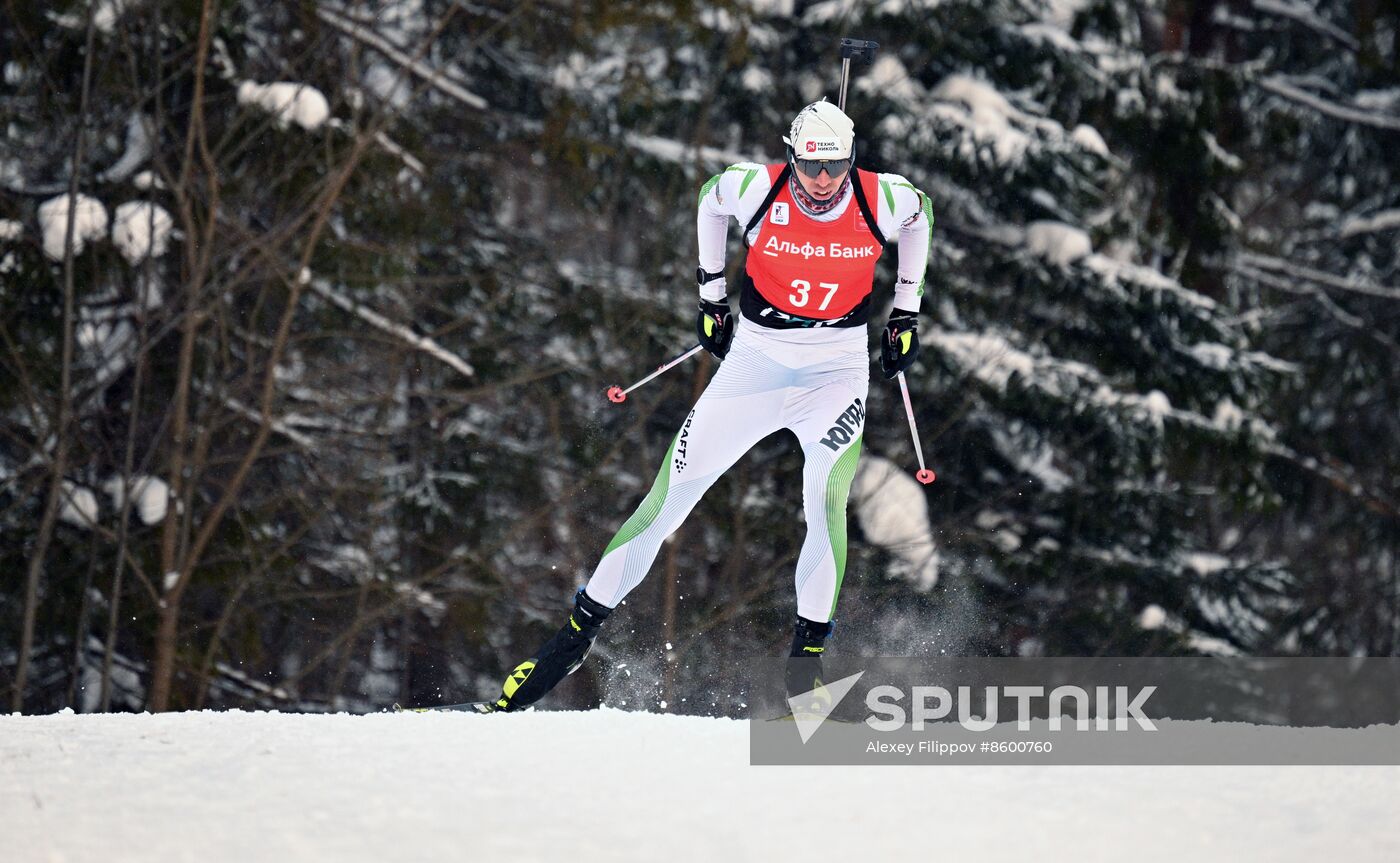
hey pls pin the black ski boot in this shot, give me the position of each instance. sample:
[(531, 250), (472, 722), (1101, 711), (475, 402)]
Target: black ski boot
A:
[(804, 667), (561, 656)]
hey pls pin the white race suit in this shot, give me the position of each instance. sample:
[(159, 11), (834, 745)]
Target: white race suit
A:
[(811, 380)]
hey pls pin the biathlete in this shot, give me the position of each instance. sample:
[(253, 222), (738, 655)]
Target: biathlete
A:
[(795, 358)]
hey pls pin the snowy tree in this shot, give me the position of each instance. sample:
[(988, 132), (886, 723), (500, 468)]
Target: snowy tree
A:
[(307, 311), (1073, 376), (1317, 270)]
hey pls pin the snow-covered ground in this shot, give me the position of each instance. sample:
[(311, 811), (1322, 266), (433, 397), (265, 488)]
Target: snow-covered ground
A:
[(610, 785)]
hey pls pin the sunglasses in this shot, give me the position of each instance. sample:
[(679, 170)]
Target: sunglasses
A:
[(813, 167)]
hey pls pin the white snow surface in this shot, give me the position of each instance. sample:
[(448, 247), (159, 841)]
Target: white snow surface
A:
[(374, 319), (150, 497), (10, 230), (289, 101), (79, 505), (1032, 456), (1088, 138), (89, 223), (1281, 86), (388, 85), (141, 229), (438, 79), (140, 143), (1382, 221), (1228, 415), (893, 513), (683, 153), (1061, 13), (107, 344), (984, 113), (235, 787), (1152, 617), (988, 356), (829, 11), (1052, 34), (1057, 242), (889, 77), (1205, 563), (147, 180), (778, 8), (107, 13)]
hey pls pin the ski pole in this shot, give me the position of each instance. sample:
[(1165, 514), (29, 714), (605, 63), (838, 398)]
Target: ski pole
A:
[(924, 475), (864, 50), (617, 395), (860, 49)]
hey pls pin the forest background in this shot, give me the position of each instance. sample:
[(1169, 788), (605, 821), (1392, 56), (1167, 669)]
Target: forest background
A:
[(307, 310)]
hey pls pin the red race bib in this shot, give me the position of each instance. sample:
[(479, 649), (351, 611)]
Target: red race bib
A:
[(818, 270)]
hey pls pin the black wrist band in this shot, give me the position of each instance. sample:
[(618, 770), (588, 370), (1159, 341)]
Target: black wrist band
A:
[(701, 277)]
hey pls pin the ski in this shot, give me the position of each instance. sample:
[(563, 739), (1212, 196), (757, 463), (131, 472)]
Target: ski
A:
[(466, 707), (803, 717)]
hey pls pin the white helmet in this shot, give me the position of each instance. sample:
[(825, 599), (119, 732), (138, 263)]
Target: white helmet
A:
[(821, 131)]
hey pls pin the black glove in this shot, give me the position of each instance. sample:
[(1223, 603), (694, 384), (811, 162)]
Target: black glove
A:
[(715, 326), (900, 344)]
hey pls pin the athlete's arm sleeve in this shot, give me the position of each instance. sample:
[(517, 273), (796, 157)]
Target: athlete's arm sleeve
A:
[(725, 195), (905, 213)]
